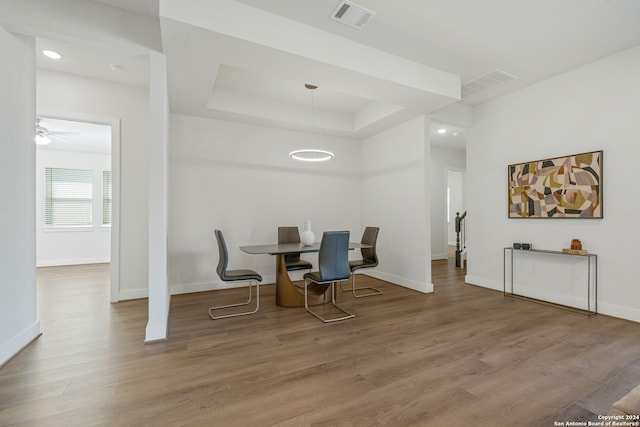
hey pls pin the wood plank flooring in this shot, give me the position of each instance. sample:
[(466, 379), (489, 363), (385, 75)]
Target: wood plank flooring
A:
[(462, 355)]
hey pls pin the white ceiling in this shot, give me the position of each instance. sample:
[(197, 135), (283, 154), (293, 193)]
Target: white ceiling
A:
[(143, 7), (253, 70), (251, 83), (531, 39), (85, 60), (454, 137), (247, 71)]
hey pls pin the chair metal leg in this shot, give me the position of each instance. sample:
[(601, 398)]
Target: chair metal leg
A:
[(354, 289), (211, 309), (333, 300)]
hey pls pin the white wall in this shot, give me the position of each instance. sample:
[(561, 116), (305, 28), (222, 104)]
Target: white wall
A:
[(395, 188), (18, 318), (59, 93), (66, 245), (442, 160), (590, 108), (238, 178)]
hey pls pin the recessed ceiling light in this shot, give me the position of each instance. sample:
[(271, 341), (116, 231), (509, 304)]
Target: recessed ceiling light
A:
[(116, 67), (51, 54), (311, 155), (442, 131)]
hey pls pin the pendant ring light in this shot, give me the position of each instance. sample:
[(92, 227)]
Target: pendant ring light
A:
[(311, 154)]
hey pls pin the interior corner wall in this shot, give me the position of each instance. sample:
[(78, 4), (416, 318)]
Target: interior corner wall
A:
[(240, 179), (442, 159), (73, 94), (18, 316), (590, 108), (394, 197)]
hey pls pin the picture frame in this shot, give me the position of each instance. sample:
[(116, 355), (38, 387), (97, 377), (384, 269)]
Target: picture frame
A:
[(558, 187)]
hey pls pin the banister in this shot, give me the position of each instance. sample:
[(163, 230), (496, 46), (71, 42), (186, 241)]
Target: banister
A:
[(459, 219)]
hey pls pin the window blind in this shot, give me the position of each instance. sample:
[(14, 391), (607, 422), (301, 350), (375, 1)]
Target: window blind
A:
[(68, 197), (106, 197)]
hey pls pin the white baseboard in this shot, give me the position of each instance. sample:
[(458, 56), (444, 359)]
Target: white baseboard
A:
[(18, 342), (129, 294), (484, 282), (435, 257), (576, 301), (621, 312), (71, 261), (608, 309), (402, 281), (188, 288)]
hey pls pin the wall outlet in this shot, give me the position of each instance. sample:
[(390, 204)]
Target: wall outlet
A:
[(528, 269)]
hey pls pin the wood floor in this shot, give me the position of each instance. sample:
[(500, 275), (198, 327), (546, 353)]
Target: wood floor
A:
[(462, 355)]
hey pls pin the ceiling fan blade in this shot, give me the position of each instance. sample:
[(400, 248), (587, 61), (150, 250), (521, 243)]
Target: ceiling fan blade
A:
[(60, 138), (58, 132)]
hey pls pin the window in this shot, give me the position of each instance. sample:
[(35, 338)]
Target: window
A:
[(106, 197), (68, 197)]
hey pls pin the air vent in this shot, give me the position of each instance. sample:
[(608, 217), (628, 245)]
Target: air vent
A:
[(490, 80), (352, 14)]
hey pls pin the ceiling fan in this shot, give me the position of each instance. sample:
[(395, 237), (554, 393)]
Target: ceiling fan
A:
[(43, 134)]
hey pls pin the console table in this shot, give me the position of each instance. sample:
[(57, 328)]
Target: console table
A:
[(592, 277)]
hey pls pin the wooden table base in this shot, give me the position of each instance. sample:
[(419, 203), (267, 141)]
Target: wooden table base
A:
[(287, 294)]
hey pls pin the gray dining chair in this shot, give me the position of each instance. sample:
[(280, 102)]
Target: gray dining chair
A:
[(333, 266), (292, 261), (234, 276), (369, 260)]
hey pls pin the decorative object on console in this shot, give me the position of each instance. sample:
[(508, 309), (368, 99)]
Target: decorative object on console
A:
[(560, 187), (307, 237), (523, 246), (576, 248), (576, 244)]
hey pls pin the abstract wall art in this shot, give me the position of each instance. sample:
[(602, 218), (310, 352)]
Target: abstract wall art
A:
[(561, 187)]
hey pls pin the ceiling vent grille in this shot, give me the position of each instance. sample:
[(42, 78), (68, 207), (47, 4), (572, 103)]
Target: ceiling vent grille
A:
[(490, 80), (352, 14)]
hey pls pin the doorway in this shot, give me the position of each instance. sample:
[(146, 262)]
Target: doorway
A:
[(77, 192), (455, 203)]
